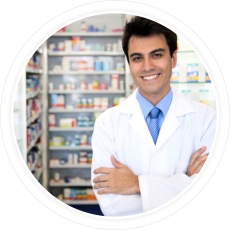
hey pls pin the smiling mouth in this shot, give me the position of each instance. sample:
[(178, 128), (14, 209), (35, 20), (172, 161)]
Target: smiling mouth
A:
[(150, 77)]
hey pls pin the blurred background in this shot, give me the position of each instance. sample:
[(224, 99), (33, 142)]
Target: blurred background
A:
[(78, 73)]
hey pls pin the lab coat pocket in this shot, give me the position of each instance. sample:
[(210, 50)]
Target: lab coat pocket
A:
[(181, 167)]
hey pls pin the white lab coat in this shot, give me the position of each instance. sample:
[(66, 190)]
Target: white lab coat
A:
[(123, 132)]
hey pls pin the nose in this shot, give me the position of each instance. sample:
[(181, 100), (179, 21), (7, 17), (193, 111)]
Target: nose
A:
[(148, 65)]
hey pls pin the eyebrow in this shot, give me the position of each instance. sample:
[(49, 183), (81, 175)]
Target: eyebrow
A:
[(152, 52)]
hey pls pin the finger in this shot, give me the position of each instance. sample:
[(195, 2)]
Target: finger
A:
[(197, 154), (101, 178), (199, 160), (102, 170), (104, 191), (199, 167), (101, 185)]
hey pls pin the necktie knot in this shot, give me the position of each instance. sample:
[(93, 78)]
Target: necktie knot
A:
[(154, 113)]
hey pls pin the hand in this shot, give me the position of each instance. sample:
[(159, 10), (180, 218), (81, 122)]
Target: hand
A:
[(119, 180), (196, 162)]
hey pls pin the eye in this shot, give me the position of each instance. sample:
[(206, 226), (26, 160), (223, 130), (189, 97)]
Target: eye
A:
[(136, 58), (157, 55)]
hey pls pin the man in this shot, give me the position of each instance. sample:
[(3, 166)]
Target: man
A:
[(160, 140)]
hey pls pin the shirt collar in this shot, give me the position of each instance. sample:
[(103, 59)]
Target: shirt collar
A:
[(146, 106)]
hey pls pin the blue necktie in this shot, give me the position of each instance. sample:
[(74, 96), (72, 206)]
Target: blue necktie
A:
[(153, 124)]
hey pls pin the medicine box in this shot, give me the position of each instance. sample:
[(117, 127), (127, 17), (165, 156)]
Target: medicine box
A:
[(186, 94), (175, 74), (204, 96), (52, 120), (68, 122), (207, 78), (193, 73)]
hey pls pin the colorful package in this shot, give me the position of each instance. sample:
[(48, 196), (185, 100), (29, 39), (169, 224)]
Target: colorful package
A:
[(175, 74), (204, 96), (207, 78), (193, 73)]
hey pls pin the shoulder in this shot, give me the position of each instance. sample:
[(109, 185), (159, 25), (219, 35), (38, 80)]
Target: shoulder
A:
[(203, 112), (105, 120)]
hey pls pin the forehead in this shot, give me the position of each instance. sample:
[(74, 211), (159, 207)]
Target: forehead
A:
[(138, 44)]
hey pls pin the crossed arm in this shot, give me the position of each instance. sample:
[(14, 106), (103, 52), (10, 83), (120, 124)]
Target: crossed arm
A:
[(121, 180), (145, 192)]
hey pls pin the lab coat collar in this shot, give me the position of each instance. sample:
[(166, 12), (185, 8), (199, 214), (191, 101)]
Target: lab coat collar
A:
[(179, 107), (180, 104)]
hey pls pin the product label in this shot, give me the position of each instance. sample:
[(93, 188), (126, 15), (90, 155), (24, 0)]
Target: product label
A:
[(175, 74), (193, 73)]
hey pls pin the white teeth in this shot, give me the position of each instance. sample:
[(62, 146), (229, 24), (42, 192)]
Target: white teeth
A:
[(150, 77)]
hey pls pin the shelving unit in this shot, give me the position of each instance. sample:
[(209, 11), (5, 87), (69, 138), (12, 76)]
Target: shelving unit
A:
[(70, 147), (70, 166), (58, 129), (60, 77), (85, 53), (31, 120), (32, 144), (87, 91), (88, 110), (70, 184), (79, 202), (21, 99), (86, 72)]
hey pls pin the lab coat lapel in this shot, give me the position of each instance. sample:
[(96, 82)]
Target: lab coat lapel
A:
[(137, 122), (179, 107), (168, 127)]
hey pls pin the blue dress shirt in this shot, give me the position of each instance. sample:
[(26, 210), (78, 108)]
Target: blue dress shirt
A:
[(163, 105)]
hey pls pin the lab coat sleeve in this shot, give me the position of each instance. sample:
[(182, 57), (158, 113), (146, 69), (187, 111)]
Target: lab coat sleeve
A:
[(103, 148), (156, 190)]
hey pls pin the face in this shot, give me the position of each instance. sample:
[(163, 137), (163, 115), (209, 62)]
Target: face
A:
[(151, 65)]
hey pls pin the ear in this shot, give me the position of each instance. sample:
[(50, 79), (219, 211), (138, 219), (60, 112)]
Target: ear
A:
[(174, 59)]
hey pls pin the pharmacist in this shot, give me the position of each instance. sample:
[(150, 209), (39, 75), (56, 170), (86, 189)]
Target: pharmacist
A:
[(155, 135)]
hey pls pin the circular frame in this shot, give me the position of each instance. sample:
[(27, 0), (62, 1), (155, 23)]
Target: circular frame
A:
[(40, 193)]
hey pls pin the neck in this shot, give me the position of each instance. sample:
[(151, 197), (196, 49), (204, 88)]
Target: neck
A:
[(154, 98)]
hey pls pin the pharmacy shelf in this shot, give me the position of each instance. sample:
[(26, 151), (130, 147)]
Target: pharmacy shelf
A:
[(32, 144), (31, 120), (87, 110), (76, 202), (85, 147), (36, 162), (33, 94), (87, 72), (31, 70), (72, 184), (38, 173), (85, 53), (88, 34), (59, 129), (87, 91), (34, 165), (66, 166)]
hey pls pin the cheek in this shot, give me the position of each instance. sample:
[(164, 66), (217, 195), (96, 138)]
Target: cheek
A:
[(135, 70)]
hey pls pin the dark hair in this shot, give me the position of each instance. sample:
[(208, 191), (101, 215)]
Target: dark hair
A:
[(143, 27)]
